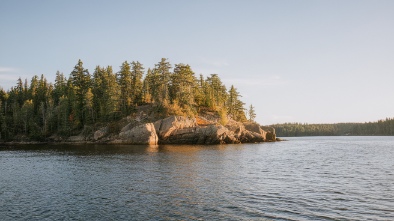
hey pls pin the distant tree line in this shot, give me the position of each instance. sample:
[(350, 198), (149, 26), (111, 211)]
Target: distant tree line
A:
[(379, 128), (38, 109)]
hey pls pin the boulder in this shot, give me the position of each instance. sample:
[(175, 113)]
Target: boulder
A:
[(271, 135), (251, 137), (216, 134), (142, 134), (256, 128)]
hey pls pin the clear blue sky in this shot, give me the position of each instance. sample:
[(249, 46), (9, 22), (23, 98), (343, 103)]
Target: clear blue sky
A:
[(295, 61)]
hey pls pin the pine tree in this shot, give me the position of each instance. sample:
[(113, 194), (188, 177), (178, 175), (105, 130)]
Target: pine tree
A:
[(235, 106), (106, 93), (183, 81), (81, 82), (88, 107), (251, 113), (146, 88), (60, 87), (125, 83), (215, 92), (161, 80), (98, 91), (136, 82)]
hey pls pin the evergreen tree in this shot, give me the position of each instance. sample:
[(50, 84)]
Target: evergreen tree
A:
[(215, 92), (251, 113), (136, 82), (146, 88), (125, 83), (106, 93), (88, 107), (235, 106), (81, 82), (183, 81), (60, 88), (161, 79)]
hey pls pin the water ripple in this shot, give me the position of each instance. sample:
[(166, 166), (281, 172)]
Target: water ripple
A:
[(322, 178)]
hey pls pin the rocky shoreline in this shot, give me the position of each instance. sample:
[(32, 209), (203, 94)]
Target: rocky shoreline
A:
[(172, 130), (183, 130)]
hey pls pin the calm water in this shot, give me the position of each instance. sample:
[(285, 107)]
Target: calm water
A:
[(319, 178)]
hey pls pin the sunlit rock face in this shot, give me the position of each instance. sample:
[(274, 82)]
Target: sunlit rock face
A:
[(186, 130), (142, 134)]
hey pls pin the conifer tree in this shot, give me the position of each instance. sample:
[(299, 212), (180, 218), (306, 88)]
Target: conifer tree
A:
[(161, 80), (146, 88), (81, 83), (88, 107), (60, 87), (136, 82), (183, 82), (251, 113), (215, 92), (105, 93), (125, 84), (235, 106)]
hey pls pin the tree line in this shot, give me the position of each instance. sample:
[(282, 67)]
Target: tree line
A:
[(38, 109), (380, 128)]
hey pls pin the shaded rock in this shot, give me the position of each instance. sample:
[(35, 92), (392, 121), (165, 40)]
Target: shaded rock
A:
[(251, 137), (142, 134), (271, 135), (100, 133), (214, 134), (236, 127)]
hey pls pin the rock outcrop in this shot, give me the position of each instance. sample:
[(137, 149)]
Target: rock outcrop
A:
[(271, 135), (167, 126), (142, 134), (185, 130)]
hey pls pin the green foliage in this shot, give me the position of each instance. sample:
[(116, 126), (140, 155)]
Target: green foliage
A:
[(80, 78), (223, 116), (235, 106), (125, 84), (215, 92), (380, 128), (183, 81), (159, 82), (251, 113), (136, 82)]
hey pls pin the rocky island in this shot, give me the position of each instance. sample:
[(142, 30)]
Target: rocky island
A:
[(176, 130), (161, 106)]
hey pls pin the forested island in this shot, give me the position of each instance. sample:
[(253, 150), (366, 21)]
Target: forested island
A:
[(379, 128), (164, 105)]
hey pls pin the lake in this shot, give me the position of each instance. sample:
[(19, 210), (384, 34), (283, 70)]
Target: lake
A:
[(304, 178)]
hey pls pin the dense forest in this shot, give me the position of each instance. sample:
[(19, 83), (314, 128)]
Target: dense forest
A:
[(38, 109), (379, 128)]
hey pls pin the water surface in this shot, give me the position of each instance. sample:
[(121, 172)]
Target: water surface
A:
[(315, 178)]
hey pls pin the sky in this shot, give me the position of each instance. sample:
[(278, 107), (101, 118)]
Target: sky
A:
[(324, 61)]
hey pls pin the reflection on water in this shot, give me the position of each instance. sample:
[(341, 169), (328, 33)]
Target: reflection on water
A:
[(318, 178)]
